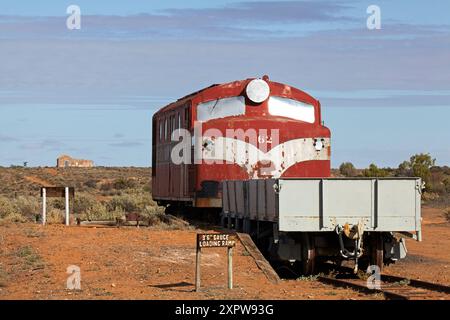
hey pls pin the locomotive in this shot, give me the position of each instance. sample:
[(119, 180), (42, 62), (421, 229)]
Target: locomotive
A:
[(229, 148), (291, 114)]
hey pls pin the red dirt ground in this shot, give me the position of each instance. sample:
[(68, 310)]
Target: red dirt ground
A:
[(147, 263), (428, 260)]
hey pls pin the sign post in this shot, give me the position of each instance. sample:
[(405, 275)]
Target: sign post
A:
[(215, 240), (44, 206), (230, 267), (66, 195), (197, 267), (56, 192)]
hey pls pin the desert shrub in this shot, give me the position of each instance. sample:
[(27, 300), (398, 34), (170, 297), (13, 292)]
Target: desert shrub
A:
[(123, 183), (347, 169), (429, 196), (107, 186), (14, 217), (21, 209), (91, 183), (150, 211), (129, 203), (116, 213), (55, 216), (57, 203), (83, 202), (154, 219), (446, 182), (7, 207), (29, 207), (135, 203), (436, 184), (95, 212), (99, 212), (374, 171)]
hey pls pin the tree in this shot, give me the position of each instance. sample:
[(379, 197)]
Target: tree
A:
[(374, 171), (446, 183), (418, 166), (347, 169), (404, 169)]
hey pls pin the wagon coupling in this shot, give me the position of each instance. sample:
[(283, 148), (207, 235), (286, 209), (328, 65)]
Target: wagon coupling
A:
[(354, 233)]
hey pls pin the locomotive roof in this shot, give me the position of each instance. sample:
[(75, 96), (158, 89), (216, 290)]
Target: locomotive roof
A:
[(237, 83)]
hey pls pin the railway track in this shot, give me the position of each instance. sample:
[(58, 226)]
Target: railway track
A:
[(393, 287)]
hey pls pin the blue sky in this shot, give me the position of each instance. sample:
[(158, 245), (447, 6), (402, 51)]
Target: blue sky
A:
[(91, 92)]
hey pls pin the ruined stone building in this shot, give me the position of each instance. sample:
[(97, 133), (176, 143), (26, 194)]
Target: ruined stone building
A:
[(64, 161)]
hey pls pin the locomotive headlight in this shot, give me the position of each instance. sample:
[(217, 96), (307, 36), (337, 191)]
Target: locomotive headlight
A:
[(257, 90), (318, 144)]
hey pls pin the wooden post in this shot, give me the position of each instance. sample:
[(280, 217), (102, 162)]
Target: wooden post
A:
[(197, 268), (230, 267), (67, 206), (44, 206)]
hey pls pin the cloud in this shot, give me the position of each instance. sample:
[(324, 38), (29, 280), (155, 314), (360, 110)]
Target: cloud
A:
[(6, 138), (268, 12), (176, 51), (419, 99), (126, 144), (105, 72), (46, 144), (233, 21)]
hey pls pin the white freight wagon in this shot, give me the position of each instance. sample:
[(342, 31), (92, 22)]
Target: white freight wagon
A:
[(308, 219)]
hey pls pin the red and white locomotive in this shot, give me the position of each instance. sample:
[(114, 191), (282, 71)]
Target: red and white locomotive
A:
[(264, 129)]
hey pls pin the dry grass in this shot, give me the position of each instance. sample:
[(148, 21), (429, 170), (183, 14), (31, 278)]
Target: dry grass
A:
[(3, 277), (100, 194), (27, 181), (29, 258)]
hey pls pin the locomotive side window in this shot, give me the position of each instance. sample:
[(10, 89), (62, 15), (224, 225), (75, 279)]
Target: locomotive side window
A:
[(221, 108), (289, 108), (165, 129), (187, 119)]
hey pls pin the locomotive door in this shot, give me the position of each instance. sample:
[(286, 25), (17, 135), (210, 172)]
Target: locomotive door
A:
[(172, 166), (185, 119), (179, 175), (189, 168)]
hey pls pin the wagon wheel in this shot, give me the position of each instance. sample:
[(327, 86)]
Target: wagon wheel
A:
[(308, 255), (376, 254)]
